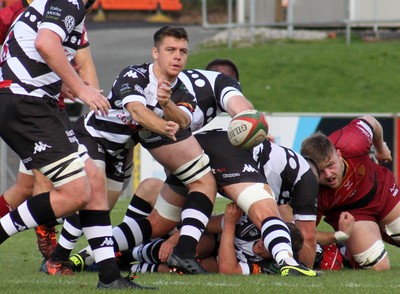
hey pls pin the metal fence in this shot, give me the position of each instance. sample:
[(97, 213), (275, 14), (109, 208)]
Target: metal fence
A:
[(291, 14)]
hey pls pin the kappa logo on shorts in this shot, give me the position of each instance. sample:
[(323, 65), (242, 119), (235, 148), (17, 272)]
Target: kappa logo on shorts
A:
[(249, 168), (40, 146)]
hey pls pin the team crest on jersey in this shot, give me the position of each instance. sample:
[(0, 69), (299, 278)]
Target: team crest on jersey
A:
[(69, 22)]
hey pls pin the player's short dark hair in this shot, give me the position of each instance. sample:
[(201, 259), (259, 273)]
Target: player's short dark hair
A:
[(297, 238), (223, 62), (169, 31)]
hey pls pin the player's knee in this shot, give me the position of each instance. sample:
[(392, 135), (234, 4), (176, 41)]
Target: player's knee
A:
[(69, 178), (252, 194), (148, 189), (160, 225), (374, 257), (167, 210), (393, 230)]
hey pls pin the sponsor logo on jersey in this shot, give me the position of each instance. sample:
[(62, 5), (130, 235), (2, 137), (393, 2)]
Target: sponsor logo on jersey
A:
[(124, 117), (54, 12), (40, 146), (249, 168), (69, 22), (125, 88)]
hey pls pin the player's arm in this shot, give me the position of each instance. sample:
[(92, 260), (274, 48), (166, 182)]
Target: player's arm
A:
[(227, 261), (237, 104), (167, 246), (307, 252), (308, 230), (171, 111), (149, 120), (346, 221), (215, 224), (84, 65), (48, 44), (382, 152)]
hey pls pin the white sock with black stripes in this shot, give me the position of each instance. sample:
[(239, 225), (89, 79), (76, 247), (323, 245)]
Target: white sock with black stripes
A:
[(277, 240)]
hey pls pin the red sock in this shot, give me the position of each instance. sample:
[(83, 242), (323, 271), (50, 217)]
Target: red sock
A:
[(4, 207)]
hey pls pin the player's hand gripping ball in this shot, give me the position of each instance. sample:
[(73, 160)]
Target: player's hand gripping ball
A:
[(247, 129)]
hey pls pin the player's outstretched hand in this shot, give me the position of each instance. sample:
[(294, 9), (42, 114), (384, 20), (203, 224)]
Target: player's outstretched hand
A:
[(95, 100)]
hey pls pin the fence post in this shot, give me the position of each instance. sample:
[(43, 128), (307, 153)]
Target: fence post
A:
[(290, 17)]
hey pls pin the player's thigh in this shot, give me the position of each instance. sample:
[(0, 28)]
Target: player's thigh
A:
[(42, 183), (174, 155)]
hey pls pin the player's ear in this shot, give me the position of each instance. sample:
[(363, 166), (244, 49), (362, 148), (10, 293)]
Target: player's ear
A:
[(154, 52)]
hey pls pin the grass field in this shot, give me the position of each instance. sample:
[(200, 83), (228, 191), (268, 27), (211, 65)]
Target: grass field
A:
[(20, 263)]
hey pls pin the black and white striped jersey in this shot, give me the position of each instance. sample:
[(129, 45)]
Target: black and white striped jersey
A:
[(246, 234), (23, 71), (212, 91), (134, 83), (290, 177)]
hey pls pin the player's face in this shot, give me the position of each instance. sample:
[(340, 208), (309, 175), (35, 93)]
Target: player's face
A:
[(331, 171), (259, 249), (171, 56)]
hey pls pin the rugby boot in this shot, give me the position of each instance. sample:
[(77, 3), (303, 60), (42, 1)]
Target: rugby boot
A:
[(56, 268), (46, 240), (123, 283), (295, 270), (185, 265)]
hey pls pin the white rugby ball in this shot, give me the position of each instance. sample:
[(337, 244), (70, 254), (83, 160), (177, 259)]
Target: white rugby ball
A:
[(247, 129)]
